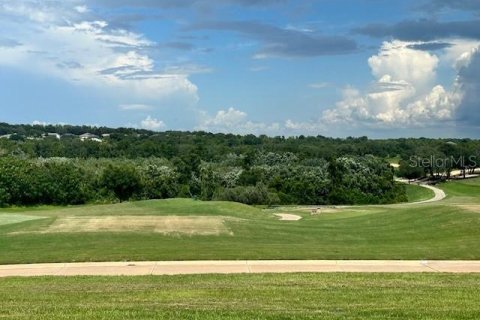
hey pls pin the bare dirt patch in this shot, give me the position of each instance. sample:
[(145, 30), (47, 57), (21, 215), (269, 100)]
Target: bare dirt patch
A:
[(169, 225), (470, 207)]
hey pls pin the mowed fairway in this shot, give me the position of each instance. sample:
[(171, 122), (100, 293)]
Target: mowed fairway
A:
[(268, 296), (183, 229)]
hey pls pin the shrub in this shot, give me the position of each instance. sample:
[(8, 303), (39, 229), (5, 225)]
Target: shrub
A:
[(159, 182), (251, 195), (62, 183), (123, 180)]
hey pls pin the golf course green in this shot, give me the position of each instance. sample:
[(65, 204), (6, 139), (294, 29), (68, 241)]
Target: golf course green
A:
[(185, 229)]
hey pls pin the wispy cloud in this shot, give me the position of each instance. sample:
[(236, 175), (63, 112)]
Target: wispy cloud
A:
[(438, 5), (280, 42), (319, 85), (9, 43), (423, 30), (258, 68), (62, 40), (134, 107), (166, 4)]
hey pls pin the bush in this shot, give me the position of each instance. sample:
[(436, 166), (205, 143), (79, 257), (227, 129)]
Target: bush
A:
[(251, 195), (4, 197), (61, 183), (123, 180), (159, 182), (17, 179)]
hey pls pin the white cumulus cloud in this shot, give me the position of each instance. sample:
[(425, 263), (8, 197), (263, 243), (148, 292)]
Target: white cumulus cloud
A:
[(151, 123), (403, 95), (234, 121), (402, 63)]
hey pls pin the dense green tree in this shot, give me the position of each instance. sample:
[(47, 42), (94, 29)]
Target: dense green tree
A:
[(411, 169), (159, 181), (62, 183), (251, 195), (123, 180)]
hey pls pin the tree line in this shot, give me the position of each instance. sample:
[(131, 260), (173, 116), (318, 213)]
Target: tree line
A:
[(269, 179), (141, 164), (133, 143)]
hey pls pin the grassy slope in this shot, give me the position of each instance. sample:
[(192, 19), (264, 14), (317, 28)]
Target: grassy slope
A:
[(416, 193), (463, 192), (429, 231), (287, 296)]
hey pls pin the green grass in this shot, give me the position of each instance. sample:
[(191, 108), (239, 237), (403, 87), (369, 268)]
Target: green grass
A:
[(281, 296), (6, 218), (416, 193), (442, 230), (463, 192)]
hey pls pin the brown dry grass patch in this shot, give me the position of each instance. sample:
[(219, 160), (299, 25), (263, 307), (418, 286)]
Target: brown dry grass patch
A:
[(169, 225), (470, 207)]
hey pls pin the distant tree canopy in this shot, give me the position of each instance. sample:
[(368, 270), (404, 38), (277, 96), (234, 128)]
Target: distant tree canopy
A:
[(192, 147), (37, 167)]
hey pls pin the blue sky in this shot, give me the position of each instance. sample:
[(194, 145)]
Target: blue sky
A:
[(275, 67)]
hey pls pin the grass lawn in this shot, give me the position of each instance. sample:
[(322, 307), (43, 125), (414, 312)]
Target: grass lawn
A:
[(463, 192), (269, 296), (183, 229), (416, 193)]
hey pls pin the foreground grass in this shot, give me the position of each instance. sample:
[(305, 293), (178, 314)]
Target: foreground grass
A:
[(291, 296), (443, 230)]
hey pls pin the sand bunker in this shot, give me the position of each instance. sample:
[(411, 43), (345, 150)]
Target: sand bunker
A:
[(184, 225), (288, 217)]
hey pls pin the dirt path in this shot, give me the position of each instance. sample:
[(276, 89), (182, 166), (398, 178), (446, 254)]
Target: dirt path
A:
[(230, 267)]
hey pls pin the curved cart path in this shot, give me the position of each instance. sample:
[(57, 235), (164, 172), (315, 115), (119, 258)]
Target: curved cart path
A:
[(439, 194), (231, 267)]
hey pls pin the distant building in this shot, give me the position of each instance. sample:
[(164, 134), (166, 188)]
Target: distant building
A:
[(69, 135), (90, 136), (6, 136), (53, 135)]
